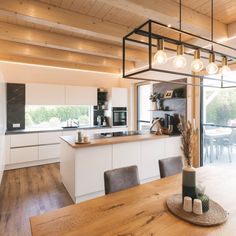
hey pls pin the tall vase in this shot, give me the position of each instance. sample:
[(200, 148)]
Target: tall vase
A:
[(154, 106), (189, 182)]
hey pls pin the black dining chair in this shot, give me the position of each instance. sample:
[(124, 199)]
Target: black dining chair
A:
[(170, 166), (120, 179)]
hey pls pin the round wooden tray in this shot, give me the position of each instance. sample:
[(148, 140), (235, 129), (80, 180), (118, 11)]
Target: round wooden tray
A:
[(215, 216)]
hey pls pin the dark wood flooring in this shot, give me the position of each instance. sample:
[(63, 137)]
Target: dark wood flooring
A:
[(27, 192)]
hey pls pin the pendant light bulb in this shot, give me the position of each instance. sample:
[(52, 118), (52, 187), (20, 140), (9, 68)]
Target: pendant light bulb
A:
[(224, 69), (212, 68), (180, 61), (160, 57), (197, 64)]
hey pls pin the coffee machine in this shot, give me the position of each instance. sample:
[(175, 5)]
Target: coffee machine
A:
[(172, 122), (168, 124)]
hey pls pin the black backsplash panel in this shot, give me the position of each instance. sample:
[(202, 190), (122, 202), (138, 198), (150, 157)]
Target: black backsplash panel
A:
[(15, 106)]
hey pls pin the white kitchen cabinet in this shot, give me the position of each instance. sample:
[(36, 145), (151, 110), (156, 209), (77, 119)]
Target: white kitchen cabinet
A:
[(90, 164), (23, 154), (76, 95), (119, 97), (173, 146), (151, 152), (69, 132), (7, 149), (22, 140), (49, 137), (49, 151), (45, 94), (126, 154)]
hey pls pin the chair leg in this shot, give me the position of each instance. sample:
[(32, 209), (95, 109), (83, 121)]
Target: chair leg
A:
[(207, 152), (229, 154)]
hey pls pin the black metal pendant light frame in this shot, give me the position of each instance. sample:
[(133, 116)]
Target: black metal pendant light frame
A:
[(150, 35)]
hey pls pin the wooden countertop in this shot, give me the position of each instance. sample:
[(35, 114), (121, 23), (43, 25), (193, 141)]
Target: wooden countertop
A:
[(142, 210), (112, 140)]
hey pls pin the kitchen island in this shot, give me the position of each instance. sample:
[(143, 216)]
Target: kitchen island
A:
[(82, 165)]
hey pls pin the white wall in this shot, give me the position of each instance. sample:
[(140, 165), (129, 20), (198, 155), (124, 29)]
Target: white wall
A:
[(24, 73), (2, 123)]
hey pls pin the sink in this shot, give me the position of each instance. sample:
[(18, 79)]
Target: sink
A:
[(70, 127)]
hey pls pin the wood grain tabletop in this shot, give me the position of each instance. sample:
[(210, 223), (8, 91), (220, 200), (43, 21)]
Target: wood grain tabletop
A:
[(142, 210)]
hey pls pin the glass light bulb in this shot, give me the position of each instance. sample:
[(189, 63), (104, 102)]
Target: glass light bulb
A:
[(160, 57), (197, 65), (179, 62), (212, 68), (225, 69)]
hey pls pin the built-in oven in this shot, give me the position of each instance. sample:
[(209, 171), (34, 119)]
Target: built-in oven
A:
[(119, 116)]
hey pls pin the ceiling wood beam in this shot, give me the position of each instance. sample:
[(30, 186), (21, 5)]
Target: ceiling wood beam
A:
[(167, 11), (55, 63), (20, 49), (232, 30), (44, 14), (37, 37)]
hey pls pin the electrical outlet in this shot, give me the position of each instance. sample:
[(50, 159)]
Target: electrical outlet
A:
[(17, 125)]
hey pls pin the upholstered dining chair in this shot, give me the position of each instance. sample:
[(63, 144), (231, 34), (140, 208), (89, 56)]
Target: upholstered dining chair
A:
[(170, 166), (121, 178)]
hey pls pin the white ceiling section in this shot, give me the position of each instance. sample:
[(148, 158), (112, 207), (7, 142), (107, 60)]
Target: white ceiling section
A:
[(87, 34)]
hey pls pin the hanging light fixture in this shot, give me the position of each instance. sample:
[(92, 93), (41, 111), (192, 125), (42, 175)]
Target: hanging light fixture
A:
[(180, 61), (212, 67), (160, 57), (225, 68), (197, 64)]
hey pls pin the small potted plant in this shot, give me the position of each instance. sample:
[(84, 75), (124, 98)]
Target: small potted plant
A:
[(155, 97)]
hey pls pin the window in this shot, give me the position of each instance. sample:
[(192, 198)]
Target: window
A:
[(218, 124), (144, 116), (57, 116)]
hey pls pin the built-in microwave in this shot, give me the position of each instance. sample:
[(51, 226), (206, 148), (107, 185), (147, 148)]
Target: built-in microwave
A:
[(119, 116)]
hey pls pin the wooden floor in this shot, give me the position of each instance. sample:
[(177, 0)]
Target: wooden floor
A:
[(27, 192)]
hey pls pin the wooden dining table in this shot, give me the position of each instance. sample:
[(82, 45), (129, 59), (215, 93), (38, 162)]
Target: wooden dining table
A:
[(142, 210)]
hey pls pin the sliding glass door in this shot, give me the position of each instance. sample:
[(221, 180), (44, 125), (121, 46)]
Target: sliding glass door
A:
[(218, 122), (143, 109)]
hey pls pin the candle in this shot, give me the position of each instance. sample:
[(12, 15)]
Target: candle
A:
[(197, 206), (188, 204), (205, 202)]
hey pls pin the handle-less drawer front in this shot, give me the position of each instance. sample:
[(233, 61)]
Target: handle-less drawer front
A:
[(26, 154), (49, 137), (49, 151), (24, 140)]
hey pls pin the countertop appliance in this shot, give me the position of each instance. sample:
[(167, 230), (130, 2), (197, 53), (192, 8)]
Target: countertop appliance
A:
[(169, 124), (119, 116)]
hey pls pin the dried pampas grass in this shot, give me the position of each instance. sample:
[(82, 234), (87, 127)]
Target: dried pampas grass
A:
[(187, 139)]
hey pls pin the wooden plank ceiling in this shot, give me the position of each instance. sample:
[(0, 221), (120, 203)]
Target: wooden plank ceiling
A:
[(224, 10), (87, 34)]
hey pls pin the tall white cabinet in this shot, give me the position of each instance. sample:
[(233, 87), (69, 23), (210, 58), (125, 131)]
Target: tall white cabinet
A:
[(119, 97)]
